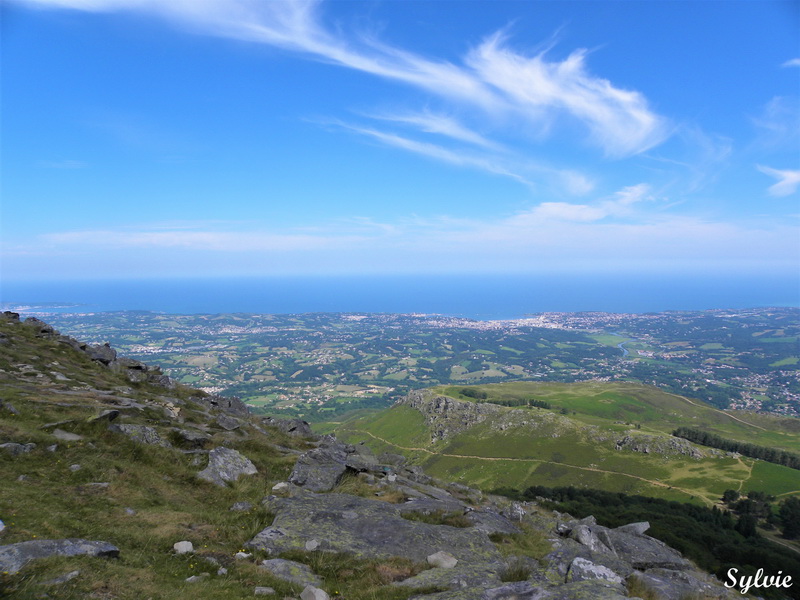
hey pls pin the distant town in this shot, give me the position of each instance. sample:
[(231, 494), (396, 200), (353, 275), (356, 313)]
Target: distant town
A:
[(321, 365)]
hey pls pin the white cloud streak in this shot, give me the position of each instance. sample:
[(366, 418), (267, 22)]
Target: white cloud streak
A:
[(788, 180), (794, 62), (494, 79)]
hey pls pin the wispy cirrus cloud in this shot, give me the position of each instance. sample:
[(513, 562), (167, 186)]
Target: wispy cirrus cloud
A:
[(788, 180), (794, 62), (493, 79)]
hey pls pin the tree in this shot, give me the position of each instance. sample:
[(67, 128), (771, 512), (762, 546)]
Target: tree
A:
[(789, 514), (730, 496)]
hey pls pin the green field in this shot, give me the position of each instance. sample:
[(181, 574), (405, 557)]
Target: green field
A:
[(574, 443)]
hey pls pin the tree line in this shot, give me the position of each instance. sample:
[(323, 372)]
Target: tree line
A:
[(773, 455)]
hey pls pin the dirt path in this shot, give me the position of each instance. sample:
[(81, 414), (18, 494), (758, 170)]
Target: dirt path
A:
[(536, 460), (720, 411)]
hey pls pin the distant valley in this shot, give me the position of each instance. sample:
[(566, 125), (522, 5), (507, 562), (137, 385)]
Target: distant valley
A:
[(320, 366)]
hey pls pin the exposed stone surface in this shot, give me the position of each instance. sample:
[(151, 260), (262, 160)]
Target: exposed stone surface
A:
[(227, 422), (225, 466), (62, 579), (141, 434), (264, 591), (296, 427), (581, 569), (365, 527), (445, 416), (320, 469), (241, 506), (291, 571), (191, 439), (658, 444), (14, 557), (681, 584), (106, 415)]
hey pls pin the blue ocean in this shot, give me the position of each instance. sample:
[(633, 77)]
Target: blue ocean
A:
[(478, 297)]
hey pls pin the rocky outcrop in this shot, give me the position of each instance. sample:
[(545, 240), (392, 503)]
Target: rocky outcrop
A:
[(141, 434), (15, 556), (366, 528), (295, 427), (663, 445), (446, 416)]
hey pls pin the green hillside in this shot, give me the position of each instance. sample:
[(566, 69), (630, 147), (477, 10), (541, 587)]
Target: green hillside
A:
[(610, 436)]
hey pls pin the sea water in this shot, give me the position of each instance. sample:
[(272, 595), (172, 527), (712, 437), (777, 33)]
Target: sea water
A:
[(474, 296)]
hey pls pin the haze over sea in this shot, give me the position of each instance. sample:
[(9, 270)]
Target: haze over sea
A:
[(482, 297)]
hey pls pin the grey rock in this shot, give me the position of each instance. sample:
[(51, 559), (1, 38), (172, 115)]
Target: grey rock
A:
[(396, 460), (197, 578), (264, 591), (52, 448), (226, 466), (458, 578), (491, 522), (227, 422), (66, 436), (291, 571), (7, 406), (17, 449), (141, 434), (183, 547), (75, 467), (636, 528), (295, 427), (584, 534), (312, 545), (2, 526), (192, 439), (582, 569), (320, 469), (129, 511), (641, 551), (14, 557), (442, 559), (680, 584), (233, 406), (241, 506), (106, 415), (313, 593), (102, 353), (63, 578), (365, 528)]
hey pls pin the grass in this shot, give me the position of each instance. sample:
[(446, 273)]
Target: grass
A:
[(530, 542)]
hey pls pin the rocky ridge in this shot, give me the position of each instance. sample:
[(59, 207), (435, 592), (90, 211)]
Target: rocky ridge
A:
[(303, 500)]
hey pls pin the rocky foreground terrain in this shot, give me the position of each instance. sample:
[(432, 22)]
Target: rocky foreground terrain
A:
[(118, 483)]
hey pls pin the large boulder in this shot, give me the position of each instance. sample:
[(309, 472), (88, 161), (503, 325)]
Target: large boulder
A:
[(226, 466), (14, 557), (291, 571), (320, 469)]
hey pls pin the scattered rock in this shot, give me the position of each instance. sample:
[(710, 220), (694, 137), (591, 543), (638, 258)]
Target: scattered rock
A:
[(129, 511), (106, 415), (17, 449), (141, 434), (242, 555), (313, 593), (183, 547), (291, 571), (442, 559), (7, 406), (102, 353), (192, 439), (196, 578), (75, 467), (52, 448), (280, 486), (15, 556), (66, 436), (2, 526), (241, 506), (63, 579), (264, 591), (225, 466)]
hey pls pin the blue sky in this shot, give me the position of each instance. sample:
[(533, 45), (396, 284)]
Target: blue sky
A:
[(246, 137)]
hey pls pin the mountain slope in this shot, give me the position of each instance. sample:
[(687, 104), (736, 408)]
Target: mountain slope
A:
[(610, 436)]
